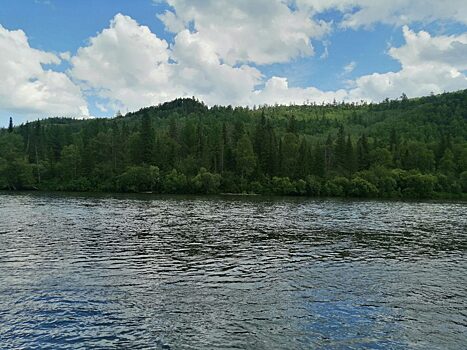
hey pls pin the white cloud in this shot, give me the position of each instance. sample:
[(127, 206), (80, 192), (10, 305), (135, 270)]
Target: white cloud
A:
[(101, 107), (422, 48), (215, 45), (131, 67), (429, 64), (349, 68), (125, 62), (261, 31), (364, 13), (27, 88), (277, 90), (200, 71), (65, 55), (325, 54)]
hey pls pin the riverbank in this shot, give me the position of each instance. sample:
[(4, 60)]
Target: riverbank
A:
[(438, 197)]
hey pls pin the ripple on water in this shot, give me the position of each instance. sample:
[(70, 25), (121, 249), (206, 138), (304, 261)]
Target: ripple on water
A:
[(176, 272)]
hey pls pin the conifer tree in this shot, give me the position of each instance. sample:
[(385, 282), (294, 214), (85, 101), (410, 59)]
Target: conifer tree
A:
[(147, 139)]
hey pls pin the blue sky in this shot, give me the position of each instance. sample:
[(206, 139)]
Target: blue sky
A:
[(91, 58)]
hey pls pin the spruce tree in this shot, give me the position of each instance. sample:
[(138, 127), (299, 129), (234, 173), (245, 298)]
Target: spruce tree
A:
[(340, 150), (349, 157), (147, 139), (362, 153)]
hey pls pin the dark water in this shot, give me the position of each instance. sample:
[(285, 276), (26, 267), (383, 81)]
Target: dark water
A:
[(80, 272)]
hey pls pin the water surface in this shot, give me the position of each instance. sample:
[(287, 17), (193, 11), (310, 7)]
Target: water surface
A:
[(81, 272)]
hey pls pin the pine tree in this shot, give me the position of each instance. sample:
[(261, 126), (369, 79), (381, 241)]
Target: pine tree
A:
[(340, 150), (147, 139), (447, 164), (328, 154), (292, 125), (319, 161), (350, 162), (245, 157), (10, 125), (393, 141), (362, 153)]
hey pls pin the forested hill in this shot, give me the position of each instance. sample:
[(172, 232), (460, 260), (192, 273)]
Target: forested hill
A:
[(398, 148)]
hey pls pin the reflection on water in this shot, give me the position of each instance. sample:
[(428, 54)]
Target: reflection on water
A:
[(208, 273)]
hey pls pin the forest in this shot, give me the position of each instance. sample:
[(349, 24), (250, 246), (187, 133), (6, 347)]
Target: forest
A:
[(402, 148)]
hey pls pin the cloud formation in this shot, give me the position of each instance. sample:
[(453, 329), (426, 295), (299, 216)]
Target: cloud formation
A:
[(365, 13), (429, 64), (260, 31), (219, 52), (30, 89), (131, 67)]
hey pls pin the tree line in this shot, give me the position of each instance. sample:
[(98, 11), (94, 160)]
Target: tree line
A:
[(409, 148)]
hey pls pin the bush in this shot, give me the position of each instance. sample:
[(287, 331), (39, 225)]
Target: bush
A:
[(282, 185), (174, 182), (139, 179), (362, 188), (414, 184), (313, 186), (256, 187), (206, 183), (230, 183), (300, 187), (337, 187), (382, 179), (463, 181)]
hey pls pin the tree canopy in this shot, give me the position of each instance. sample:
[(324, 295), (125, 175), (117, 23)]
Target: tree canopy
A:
[(414, 148)]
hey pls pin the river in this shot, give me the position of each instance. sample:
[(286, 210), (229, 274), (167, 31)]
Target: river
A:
[(149, 272)]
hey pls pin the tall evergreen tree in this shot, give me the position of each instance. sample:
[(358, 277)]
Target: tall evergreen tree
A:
[(147, 139), (245, 157), (10, 125), (363, 152), (340, 151), (350, 161)]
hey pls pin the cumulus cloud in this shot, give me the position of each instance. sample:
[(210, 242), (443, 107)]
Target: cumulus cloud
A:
[(125, 62), (30, 89), (261, 31), (129, 66), (277, 90), (218, 53), (365, 13), (429, 64), (422, 48)]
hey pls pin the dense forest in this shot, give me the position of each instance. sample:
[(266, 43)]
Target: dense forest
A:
[(409, 148)]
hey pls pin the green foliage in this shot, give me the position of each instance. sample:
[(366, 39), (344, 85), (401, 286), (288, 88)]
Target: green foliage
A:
[(139, 179), (313, 186), (174, 182), (15, 170), (380, 157), (463, 181), (282, 186), (413, 184), (245, 158), (411, 148), (362, 188), (206, 183)]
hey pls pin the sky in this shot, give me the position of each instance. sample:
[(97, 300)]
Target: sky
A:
[(90, 58)]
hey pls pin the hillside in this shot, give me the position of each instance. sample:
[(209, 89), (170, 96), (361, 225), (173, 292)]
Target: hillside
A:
[(398, 148)]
